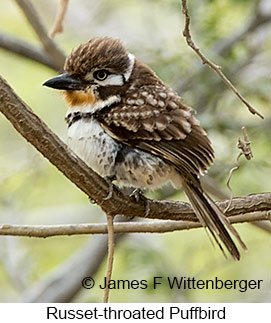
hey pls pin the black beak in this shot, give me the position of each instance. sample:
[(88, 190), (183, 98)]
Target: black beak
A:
[(65, 82)]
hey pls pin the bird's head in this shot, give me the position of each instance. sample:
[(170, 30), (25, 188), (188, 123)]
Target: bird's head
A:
[(94, 71)]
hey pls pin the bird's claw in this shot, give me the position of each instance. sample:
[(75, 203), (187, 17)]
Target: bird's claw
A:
[(110, 191), (91, 200), (137, 194)]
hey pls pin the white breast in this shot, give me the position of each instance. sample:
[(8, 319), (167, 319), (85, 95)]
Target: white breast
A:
[(91, 143)]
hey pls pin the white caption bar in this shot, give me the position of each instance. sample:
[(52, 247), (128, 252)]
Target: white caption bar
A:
[(173, 312)]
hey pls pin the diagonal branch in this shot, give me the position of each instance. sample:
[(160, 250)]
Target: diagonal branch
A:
[(35, 21), (22, 48)]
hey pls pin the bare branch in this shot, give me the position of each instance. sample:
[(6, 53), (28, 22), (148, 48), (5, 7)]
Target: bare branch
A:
[(45, 231), (58, 24), (35, 21), (205, 60), (22, 48)]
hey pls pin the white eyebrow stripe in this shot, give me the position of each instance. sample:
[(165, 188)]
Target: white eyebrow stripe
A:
[(130, 68)]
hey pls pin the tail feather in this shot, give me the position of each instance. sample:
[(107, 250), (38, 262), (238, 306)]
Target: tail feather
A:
[(212, 218)]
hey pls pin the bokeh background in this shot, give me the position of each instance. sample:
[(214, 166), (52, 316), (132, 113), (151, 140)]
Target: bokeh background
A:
[(234, 34)]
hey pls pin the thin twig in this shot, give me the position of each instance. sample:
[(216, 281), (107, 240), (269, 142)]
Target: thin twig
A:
[(110, 255), (245, 151), (205, 60), (35, 21), (58, 24), (233, 169), (46, 231)]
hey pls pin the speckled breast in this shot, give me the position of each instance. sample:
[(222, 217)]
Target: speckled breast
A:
[(91, 143)]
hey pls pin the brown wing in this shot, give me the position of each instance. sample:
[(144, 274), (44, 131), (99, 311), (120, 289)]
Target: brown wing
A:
[(154, 119)]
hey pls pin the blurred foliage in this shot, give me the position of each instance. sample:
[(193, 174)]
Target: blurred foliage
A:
[(34, 192)]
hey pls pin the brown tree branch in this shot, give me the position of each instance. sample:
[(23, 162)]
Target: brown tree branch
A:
[(35, 21), (205, 60), (45, 141), (22, 48)]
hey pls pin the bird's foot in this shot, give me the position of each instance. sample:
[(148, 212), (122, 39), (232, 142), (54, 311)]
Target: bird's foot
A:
[(137, 194), (110, 190), (147, 208)]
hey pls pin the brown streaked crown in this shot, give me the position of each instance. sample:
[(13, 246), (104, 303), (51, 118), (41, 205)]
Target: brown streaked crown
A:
[(97, 53)]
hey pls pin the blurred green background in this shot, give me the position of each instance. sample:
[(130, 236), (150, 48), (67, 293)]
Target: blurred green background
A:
[(234, 34)]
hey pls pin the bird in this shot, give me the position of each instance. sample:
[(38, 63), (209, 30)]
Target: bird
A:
[(130, 127)]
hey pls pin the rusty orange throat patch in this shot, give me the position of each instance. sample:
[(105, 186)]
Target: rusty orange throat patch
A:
[(80, 98)]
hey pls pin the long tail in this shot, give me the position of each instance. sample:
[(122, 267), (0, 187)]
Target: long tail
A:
[(212, 218)]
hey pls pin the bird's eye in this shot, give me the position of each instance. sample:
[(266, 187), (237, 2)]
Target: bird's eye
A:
[(101, 75)]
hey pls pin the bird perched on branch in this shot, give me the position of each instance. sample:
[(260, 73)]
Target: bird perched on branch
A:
[(128, 126)]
